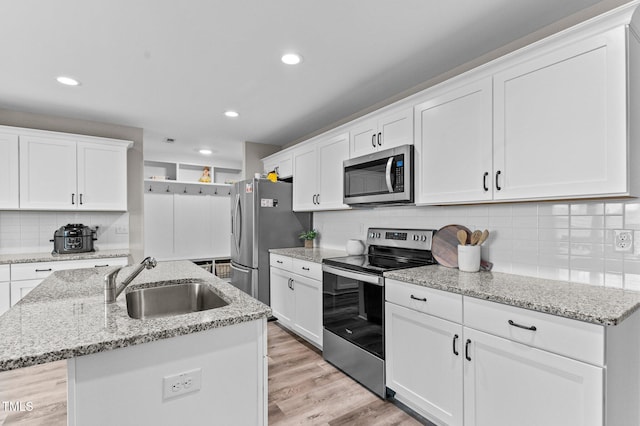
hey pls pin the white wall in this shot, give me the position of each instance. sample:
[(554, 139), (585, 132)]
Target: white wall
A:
[(564, 241), (30, 232)]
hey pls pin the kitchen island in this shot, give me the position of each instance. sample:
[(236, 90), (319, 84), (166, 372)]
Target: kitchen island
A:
[(117, 365)]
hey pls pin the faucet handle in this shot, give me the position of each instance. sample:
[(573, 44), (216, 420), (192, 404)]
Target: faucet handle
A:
[(149, 262)]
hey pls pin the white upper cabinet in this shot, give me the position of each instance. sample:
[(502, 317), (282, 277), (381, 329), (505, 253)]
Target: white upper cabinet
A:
[(382, 131), (9, 172), (454, 145), (102, 177), (318, 171), (281, 163), (560, 122), (71, 172)]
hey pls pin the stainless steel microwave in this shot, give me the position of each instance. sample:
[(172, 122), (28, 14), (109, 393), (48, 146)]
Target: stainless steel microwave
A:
[(384, 177)]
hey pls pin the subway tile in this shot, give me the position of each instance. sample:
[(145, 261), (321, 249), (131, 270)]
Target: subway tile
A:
[(551, 260), (525, 233), (500, 210), (631, 281), (553, 209), (551, 273), (587, 277), (558, 235), (481, 210), (614, 208), (525, 221), (587, 236), (610, 253), (553, 247), (589, 222), (613, 222), (525, 269), (632, 215), (587, 249), (525, 209), (500, 221), (546, 222), (614, 280), (587, 209), (586, 263)]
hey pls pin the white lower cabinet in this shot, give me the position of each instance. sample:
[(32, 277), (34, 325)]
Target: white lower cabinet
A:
[(296, 300), (20, 289), (508, 383), (5, 288)]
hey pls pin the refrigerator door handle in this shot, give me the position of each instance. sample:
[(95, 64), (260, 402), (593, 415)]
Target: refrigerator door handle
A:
[(239, 269), (238, 218)]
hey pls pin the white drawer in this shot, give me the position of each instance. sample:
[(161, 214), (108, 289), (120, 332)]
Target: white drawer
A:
[(5, 273), (40, 270), (308, 269), (575, 339), (423, 299), (280, 261)]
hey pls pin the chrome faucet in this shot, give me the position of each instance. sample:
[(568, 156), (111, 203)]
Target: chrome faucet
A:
[(112, 291)]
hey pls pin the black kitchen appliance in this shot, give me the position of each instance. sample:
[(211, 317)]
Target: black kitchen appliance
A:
[(353, 301), (74, 238)]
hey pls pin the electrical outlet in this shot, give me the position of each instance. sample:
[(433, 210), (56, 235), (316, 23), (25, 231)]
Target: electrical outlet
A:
[(623, 240), (182, 383)]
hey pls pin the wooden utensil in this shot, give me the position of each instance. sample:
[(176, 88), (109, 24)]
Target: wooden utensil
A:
[(462, 237), (475, 237), (444, 245), (484, 236)]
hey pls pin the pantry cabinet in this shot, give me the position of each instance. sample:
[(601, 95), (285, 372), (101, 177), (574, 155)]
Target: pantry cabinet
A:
[(381, 131), (60, 173), (318, 171), (9, 172), (296, 296)]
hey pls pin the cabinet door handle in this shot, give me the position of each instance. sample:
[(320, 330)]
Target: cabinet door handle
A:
[(43, 270), (373, 140), (318, 198), (304, 268), (278, 261), (455, 340), (314, 199), (498, 173), (421, 299), (379, 138), (101, 266), (530, 328), (80, 199), (73, 198), (466, 350), (291, 283), (484, 181)]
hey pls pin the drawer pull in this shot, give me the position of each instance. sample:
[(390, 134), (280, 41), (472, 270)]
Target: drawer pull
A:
[(304, 268), (279, 261), (531, 328), (466, 350), (101, 266), (421, 299), (455, 339), (43, 270)]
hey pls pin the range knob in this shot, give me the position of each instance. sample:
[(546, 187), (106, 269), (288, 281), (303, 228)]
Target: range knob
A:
[(415, 237), (377, 235), (423, 238), (372, 235)]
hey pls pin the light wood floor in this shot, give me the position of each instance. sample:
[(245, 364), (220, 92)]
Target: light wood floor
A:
[(303, 389)]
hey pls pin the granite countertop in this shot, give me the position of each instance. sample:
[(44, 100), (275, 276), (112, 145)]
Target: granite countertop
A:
[(597, 305), (65, 316), (49, 257), (315, 254)]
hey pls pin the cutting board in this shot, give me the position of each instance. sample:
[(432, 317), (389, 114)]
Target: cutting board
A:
[(444, 245)]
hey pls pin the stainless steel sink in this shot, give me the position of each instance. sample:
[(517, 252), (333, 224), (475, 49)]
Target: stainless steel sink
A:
[(172, 299)]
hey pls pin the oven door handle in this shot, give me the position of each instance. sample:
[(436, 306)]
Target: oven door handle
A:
[(388, 174), (371, 279)]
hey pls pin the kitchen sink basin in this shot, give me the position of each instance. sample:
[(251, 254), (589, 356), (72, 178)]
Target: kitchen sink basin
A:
[(172, 299)]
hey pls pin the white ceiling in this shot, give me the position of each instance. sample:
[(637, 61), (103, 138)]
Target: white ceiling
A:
[(173, 67)]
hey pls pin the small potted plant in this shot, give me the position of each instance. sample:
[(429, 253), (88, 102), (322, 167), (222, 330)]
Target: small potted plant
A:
[(308, 238)]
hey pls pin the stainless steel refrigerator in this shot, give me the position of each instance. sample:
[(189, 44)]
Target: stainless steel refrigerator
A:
[(262, 218)]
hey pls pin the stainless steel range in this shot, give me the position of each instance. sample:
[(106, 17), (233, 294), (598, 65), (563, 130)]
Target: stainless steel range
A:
[(353, 301)]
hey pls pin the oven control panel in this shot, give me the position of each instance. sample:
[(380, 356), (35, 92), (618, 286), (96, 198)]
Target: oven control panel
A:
[(407, 238)]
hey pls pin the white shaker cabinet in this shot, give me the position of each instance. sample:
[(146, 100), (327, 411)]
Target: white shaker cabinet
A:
[(560, 122), (318, 171), (5, 288), (192, 221), (158, 225), (220, 226), (281, 163), (454, 145), (507, 383), (382, 131), (282, 297), (9, 172), (58, 172)]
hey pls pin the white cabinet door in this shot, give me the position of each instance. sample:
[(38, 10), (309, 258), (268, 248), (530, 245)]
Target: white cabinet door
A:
[(47, 174), (305, 182), (282, 296), (396, 129), (5, 297), (192, 222), (454, 143), (364, 139), (158, 225), (508, 383), (102, 177), (424, 357), (331, 153), (9, 172), (560, 122), (20, 289), (308, 308), (220, 225), (282, 164)]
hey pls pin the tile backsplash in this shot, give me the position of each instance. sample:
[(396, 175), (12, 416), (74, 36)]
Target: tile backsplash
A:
[(30, 232), (570, 241)]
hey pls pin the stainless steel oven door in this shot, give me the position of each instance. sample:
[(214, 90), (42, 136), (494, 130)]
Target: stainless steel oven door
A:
[(353, 307)]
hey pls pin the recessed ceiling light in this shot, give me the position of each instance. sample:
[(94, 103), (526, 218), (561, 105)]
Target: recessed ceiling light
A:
[(231, 114), (67, 81), (205, 151), (291, 59)]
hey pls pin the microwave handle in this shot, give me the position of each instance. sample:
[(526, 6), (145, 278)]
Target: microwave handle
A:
[(388, 174)]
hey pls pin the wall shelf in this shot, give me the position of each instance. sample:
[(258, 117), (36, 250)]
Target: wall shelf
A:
[(176, 177)]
